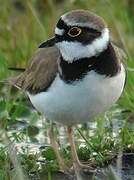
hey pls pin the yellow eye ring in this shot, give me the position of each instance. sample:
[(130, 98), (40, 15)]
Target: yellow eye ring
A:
[(74, 31)]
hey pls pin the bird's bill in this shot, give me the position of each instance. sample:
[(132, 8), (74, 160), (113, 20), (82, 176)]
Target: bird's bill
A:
[(49, 43)]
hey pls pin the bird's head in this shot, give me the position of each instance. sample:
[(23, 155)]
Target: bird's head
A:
[(79, 34)]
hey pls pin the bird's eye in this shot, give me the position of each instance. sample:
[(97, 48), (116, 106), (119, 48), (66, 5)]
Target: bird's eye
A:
[(74, 31)]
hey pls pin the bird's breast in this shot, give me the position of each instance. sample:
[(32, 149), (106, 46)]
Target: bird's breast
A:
[(78, 102)]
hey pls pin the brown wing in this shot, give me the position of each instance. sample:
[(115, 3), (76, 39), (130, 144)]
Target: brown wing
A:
[(121, 55), (40, 73)]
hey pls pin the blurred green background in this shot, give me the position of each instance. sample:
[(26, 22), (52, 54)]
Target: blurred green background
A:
[(23, 26)]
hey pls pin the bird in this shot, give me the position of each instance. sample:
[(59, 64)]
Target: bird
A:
[(74, 76)]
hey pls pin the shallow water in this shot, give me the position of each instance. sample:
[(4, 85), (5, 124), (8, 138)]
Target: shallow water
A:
[(37, 139), (107, 173)]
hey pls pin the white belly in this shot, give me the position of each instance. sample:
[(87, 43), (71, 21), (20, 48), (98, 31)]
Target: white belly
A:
[(79, 102)]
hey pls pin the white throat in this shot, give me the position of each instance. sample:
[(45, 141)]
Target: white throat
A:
[(72, 51)]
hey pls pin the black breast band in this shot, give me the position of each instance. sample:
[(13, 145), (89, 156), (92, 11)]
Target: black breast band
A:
[(105, 64)]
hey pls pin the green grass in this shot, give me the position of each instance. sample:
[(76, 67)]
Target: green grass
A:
[(23, 26)]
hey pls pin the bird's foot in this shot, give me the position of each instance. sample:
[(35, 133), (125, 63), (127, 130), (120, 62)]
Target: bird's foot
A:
[(64, 169), (84, 167)]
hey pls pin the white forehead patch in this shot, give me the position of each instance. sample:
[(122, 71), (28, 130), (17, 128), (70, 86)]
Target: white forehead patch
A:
[(59, 31), (72, 51)]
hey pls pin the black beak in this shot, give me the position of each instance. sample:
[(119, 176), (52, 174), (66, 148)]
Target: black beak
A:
[(49, 43)]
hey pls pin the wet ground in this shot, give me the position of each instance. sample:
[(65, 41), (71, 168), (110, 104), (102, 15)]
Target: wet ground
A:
[(124, 172), (121, 167)]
